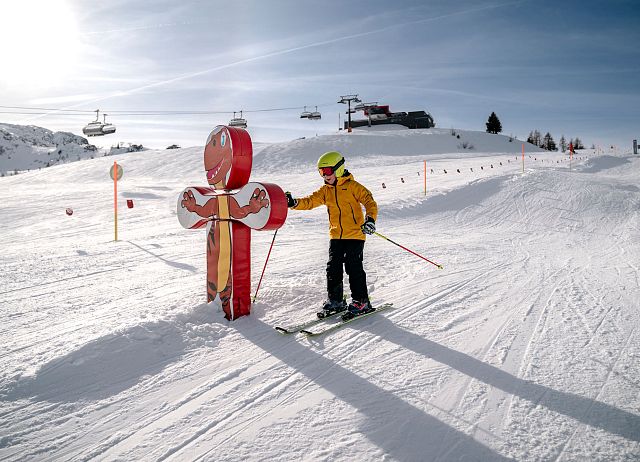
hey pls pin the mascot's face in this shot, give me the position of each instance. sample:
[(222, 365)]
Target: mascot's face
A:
[(218, 156)]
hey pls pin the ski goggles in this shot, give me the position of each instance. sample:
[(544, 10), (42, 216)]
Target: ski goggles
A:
[(328, 171)]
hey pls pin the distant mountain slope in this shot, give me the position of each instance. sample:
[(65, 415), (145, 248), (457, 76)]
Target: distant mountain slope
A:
[(27, 147)]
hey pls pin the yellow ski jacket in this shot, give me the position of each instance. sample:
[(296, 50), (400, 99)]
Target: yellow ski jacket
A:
[(344, 203)]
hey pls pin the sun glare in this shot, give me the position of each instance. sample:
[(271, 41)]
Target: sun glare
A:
[(40, 43)]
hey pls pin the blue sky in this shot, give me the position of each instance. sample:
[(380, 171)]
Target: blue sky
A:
[(568, 67)]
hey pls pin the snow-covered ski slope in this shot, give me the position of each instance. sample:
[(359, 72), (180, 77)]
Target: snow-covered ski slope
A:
[(526, 346)]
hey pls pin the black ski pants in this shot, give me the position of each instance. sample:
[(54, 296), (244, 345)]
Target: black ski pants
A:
[(347, 253)]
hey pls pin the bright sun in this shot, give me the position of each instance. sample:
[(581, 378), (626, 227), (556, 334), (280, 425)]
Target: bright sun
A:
[(39, 41)]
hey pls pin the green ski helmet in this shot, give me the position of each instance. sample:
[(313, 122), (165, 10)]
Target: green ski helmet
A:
[(330, 162)]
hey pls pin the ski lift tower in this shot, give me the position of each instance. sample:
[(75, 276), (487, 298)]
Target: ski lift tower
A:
[(346, 99)]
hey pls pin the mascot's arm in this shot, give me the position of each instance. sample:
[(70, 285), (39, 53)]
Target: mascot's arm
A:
[(257, 202), (207, 210)]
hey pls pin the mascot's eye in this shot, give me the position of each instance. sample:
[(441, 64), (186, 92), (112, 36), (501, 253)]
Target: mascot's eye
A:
[(223, 139)]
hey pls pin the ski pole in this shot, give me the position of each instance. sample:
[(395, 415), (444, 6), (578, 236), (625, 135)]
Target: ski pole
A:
[(408, 250), (265, 267)]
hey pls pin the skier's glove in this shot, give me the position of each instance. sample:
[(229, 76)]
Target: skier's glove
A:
[(369, 226), (291, 202)]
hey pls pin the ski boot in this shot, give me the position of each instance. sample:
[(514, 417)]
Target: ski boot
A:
[(356, 308), (332, 307)]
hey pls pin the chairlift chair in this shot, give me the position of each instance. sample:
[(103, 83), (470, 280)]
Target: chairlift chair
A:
[(94, 128), (305, 114), (107, 129), (238, 121), (315, 115)]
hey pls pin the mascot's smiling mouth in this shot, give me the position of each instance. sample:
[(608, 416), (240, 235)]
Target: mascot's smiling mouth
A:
[(214, 171)]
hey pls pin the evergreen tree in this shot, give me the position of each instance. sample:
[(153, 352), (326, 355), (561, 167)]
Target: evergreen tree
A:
[(563, 144), (577, 144), (535, 138), (530, 138), (548, 143), (493, 124)]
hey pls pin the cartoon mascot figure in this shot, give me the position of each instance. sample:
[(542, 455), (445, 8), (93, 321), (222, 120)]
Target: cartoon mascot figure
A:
[(229, 208)]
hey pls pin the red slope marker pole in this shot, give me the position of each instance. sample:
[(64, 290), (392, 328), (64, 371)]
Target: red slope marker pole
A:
[(408, 250), (265, 267)]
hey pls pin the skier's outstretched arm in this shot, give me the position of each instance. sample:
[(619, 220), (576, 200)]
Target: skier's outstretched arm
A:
[(310, 202)]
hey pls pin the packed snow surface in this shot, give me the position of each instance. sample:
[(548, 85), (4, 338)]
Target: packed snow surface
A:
[(525, 346)]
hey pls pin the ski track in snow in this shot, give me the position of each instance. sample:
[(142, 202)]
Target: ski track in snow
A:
[(523, 347)]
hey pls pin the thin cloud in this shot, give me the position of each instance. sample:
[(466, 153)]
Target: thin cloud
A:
[(296, 49)]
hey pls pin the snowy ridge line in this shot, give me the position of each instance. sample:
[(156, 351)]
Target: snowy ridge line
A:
[(365, 144)]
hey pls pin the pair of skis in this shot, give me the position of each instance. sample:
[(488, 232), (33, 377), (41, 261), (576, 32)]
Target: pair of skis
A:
[(327, 325)]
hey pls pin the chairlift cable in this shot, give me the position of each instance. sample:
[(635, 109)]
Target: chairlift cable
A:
[(135, 112)]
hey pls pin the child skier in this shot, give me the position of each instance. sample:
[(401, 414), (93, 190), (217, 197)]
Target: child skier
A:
[(344, 198)]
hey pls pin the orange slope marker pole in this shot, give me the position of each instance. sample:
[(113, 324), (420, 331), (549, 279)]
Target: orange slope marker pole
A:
[(425, 177), (115, 199)]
